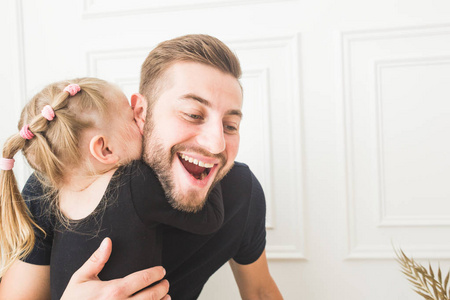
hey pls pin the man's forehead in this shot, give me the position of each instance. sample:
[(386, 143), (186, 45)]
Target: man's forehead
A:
[(196, 98), (186, 67), (199, 78)]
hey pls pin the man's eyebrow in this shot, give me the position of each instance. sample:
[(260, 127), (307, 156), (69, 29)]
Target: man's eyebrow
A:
[(235, 112), (196, 98), (190, 96)]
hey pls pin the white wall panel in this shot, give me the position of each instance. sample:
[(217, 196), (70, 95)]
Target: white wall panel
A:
[(256, 133), (108, 8), (396, 87), (119, 66), (413, 153), (280, 167)]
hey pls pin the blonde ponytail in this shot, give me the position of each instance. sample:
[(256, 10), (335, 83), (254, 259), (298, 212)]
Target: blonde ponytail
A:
[(51, 147), (16, 225)]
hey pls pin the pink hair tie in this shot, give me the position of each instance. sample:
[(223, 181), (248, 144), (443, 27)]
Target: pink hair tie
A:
[(48, 112), (72, 89), (26, 133), (6, 164)]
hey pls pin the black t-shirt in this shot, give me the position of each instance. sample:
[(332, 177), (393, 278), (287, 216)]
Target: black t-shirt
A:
[(189, 258)]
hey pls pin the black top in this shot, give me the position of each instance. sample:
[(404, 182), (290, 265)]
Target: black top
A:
[(189, 258)]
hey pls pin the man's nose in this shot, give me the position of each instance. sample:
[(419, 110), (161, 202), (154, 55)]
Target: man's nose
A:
[(212, 137)]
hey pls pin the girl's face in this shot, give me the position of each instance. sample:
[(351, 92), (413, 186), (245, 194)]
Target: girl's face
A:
[(123, 129)]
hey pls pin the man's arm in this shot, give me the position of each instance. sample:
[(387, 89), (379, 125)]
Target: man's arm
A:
[(25, 281), (254, 280), (85, 283)]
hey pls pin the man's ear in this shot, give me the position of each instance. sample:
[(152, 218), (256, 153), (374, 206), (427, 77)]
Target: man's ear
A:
[(139, 105), (99, 149)]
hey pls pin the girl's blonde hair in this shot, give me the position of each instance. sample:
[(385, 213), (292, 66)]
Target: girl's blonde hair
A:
[(54, 148)]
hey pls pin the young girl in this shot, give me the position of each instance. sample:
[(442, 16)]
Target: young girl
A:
[(80, 137)]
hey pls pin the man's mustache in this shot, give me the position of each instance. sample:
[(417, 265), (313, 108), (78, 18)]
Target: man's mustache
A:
[(191, 148)]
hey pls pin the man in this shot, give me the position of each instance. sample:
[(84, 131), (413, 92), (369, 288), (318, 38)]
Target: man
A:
[(189, 109), (189, 112)]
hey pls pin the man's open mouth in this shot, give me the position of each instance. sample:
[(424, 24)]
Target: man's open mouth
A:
[(197, 168)]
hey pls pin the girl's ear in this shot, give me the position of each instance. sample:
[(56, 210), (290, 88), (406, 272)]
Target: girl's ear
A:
[(139, 105), (99, 149)]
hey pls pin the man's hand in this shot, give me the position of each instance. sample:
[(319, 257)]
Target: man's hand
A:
[(85, 283)]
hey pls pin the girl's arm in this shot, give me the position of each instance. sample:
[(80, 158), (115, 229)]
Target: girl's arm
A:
[(26, 281)]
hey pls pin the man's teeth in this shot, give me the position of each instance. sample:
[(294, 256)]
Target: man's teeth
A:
[(196, 161)]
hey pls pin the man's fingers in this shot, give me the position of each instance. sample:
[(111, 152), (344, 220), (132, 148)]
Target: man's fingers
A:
[(158, 291), (90, 269), (142, 279), (127, 286)]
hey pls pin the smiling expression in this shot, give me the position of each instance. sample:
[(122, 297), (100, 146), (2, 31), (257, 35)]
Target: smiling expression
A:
[(191, 137)]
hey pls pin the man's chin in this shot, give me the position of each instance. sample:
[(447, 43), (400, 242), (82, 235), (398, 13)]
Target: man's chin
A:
[(189, 196), (191, 202)]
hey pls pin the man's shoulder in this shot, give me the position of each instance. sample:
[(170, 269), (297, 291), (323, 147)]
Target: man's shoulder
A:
[(137, 169), (240, 179), (238, 169), (137, 164), (239, 173), (240, 165), (142, 180)]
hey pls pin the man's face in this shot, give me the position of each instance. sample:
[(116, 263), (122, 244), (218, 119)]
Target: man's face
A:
[(191, 134)]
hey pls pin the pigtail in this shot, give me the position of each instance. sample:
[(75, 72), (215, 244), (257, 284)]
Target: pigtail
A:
[(16, 225), (55, 140), (17, 236), (49, 162), (49, 138)]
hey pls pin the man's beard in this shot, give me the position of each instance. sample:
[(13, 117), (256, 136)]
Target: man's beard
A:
[(161, 161)]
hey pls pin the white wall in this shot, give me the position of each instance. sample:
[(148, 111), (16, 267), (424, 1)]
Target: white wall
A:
[(346, 121)]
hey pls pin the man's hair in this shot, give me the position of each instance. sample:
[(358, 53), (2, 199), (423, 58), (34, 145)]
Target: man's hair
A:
[(197, 48)]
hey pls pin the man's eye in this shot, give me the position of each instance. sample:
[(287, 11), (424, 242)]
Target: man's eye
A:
[(230, 128), (193, 116)]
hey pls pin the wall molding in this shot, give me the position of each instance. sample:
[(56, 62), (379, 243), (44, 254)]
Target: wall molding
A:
[(415, 221), (387, 252), (93, 58), (348, 41), (285, 252), (96, 9), (392, 33), (387, 220), (262, 76), (21, 88), (290, 45)]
